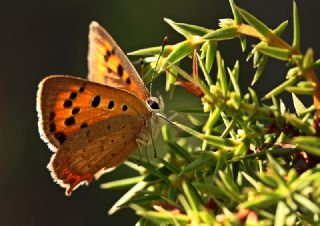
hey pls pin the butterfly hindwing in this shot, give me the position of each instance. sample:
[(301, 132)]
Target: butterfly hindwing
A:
[(94, 150), (109, 65)]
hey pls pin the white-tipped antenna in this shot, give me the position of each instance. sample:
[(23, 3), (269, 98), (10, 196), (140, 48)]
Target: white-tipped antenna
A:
[(165, 39)]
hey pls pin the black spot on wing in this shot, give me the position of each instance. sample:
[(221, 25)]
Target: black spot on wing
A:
[(84, 125), (124, 107), (109, 70), (75, 110), (52, 127), (95, 101), (106, 57), (69, 121), (82, 88), (67, 103), (111, 104), (120, 70), (128, 81), (73, 95), (61, 137)]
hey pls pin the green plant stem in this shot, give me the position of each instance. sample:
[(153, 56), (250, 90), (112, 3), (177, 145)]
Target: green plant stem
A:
[(276, 41)]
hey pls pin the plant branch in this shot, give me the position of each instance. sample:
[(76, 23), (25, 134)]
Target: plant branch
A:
[(276, 41)]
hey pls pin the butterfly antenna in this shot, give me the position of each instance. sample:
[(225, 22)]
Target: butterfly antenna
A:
[(142, 68), (165, 39)]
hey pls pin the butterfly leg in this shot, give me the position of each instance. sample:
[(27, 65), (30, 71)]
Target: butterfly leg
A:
[(142, 144), (154, 148), (147, 154), (140, 154)]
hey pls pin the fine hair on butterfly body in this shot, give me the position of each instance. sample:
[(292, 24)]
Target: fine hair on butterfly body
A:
[(93, 125)]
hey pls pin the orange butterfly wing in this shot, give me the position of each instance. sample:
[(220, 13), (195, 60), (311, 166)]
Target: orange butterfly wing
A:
[(109, 65), (83, 122)]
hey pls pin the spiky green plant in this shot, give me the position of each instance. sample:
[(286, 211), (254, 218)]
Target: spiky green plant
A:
[(256, 163)]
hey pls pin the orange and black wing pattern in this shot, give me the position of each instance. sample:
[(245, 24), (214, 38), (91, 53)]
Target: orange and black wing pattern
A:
[(109, 65), (91, 127)]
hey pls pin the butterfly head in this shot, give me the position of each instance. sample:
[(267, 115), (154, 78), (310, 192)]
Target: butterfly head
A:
[(155, 104)]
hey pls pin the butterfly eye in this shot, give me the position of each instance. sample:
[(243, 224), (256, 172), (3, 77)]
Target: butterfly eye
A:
[(153, 105)]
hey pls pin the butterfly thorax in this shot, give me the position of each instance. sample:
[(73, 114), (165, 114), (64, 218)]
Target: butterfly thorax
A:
[(151, 130)]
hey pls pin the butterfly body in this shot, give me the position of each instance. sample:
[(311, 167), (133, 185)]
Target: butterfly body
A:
[(93, 126)]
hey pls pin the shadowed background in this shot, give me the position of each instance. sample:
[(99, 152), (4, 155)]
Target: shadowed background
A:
[(40, 38)]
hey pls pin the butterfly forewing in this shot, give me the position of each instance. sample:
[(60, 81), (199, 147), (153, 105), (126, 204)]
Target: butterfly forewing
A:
[(109, 65), (84, 122), (68, 104)]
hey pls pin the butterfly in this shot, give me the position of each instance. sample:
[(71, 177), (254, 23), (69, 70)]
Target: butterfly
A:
[(93, 125)]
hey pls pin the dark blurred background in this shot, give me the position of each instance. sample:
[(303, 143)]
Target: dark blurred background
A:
[(40, 38)]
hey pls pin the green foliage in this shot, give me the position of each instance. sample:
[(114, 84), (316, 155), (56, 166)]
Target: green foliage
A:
[(256, 163)]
